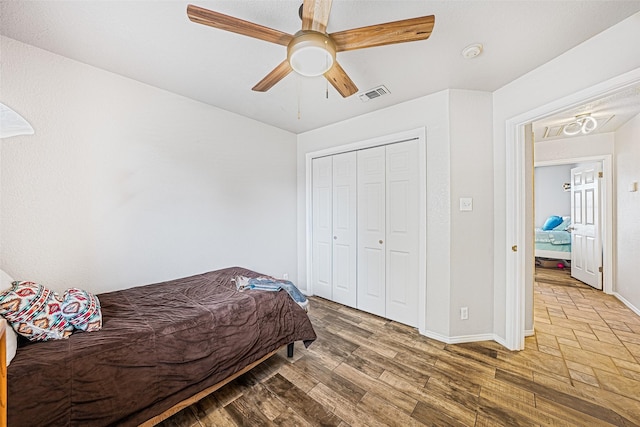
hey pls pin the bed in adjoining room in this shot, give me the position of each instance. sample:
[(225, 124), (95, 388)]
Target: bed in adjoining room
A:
[(553, 239), (160, 348)]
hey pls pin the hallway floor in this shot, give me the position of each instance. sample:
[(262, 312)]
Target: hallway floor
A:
[(595, 335)]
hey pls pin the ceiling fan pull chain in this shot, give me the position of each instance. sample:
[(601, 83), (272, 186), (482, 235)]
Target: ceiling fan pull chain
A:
[(298, 87), (326, 82)]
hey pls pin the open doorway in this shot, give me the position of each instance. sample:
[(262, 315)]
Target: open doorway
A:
[(569, 227), (519, 271)]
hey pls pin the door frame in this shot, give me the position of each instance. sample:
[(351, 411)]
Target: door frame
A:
[(418, 134), (606, 210), (515, 209)]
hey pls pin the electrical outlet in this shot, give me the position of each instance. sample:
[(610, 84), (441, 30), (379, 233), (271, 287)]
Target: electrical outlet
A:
[(464, 313), (285, 276)]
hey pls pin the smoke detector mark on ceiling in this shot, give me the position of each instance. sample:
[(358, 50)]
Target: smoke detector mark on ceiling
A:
[(376, 92), (472, 51)]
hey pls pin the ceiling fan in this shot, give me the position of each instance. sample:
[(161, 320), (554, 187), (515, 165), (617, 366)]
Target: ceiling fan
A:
[(311, 51)]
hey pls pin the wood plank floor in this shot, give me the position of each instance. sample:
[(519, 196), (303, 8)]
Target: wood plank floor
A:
[(582, 368)]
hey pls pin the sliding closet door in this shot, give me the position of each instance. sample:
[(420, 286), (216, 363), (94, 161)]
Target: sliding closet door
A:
[(402, 225), (371, 230), (365, 230), (322, 243), (344, 229)]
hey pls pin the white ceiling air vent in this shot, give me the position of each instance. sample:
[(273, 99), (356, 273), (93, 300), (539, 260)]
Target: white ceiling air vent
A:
[(376, 92)]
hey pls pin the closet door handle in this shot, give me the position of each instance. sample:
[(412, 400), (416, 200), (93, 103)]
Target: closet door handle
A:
[(335, 237)]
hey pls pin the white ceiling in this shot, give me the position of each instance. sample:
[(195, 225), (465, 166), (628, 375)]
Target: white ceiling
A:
[(155, 43)]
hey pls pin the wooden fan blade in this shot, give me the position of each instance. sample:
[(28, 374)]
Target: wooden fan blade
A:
[(341, 81), (315, 15), (236, 25), (407, 30), (278, 73)]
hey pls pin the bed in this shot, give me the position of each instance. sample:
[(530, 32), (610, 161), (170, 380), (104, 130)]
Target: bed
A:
[(161, 347), (555, 244)]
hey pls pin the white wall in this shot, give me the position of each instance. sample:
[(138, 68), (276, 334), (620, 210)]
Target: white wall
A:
[(550, 197), (595, 145), (627, 167), (449, 147), (582, 67), (124, 184), (471, 232)]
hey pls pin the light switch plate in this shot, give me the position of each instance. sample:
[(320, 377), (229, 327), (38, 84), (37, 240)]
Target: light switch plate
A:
[(466, 203)]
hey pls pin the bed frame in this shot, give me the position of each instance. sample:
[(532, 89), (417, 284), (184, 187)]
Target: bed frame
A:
[(553, 254), (153, 421), (204, 393)]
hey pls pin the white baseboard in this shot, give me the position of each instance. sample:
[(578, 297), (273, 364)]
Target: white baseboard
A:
[(467, 338), (529, 333), (458, 339), (627, 303), (500, 340)]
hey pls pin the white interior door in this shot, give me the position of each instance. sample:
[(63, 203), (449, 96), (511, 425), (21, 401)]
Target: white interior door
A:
[(322, 239), (402, 225), (371, 230), (344, 229), (586, 244)]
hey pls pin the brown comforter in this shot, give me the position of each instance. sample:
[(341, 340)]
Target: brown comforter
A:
[(159, 345)]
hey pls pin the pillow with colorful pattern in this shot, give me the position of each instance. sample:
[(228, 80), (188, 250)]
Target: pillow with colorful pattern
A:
[(34, 311), (82, 310)]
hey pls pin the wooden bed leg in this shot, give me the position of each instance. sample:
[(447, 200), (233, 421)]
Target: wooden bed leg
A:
[(290, 350)]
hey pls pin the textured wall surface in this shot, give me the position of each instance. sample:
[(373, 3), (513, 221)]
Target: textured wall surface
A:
[(471, 231), (124, 184), (627, 161)]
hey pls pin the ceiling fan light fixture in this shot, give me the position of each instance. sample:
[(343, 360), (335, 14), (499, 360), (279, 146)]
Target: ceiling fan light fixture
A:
[(311, 53)]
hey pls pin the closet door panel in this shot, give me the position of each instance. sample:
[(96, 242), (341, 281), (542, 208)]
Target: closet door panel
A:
[(322, 240), (402, 216), (400, 278), (371, 230), (344, 229)]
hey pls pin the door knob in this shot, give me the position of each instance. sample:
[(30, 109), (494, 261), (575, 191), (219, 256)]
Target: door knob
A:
[(380, 241), (335, 237)]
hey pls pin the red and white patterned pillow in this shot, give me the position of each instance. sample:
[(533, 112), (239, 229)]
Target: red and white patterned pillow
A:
[(82, 310), (34, 311)]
